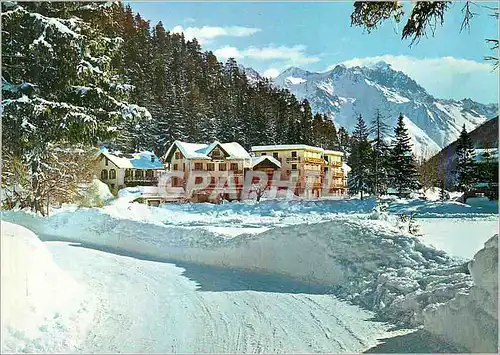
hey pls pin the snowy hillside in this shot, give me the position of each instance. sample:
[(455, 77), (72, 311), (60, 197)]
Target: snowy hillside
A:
[(345, 93)]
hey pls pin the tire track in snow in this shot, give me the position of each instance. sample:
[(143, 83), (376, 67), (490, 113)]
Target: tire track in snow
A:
[(151, 307)]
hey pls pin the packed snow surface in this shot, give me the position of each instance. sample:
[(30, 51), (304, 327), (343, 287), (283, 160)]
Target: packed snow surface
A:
[(43, 309), (158, 307), (347, 248)]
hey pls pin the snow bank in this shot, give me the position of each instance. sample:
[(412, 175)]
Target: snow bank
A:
[(96, 195), (42, 309), (366, 261), (471, 318)]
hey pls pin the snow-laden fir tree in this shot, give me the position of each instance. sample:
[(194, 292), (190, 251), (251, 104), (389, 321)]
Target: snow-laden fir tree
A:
[(466, 168), (344, 140), (403, 171), (360, 159), (58, 84), (381, 152)]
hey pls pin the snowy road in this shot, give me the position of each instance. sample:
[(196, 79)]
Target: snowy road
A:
[(148, 306)]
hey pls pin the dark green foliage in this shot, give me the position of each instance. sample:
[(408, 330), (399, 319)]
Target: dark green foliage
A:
[(381, 151), (194, 97), (403, 172), (59, 83), (360, 160), (466, 173)]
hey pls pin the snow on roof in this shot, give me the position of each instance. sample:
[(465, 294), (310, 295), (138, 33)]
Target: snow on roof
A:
[(137, 160), (333, 152), (201, 151), (257, 160), (257, 148)]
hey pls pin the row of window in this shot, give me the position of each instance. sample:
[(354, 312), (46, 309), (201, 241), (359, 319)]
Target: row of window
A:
[(210, 166), (277, 156), (106, 176), (139, 174), (178, 182), (312, 155)]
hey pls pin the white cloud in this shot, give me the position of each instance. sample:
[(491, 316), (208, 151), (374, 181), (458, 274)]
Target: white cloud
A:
[(271, 73), (206, 33), (288, 55), (227, 52), (444, 77)]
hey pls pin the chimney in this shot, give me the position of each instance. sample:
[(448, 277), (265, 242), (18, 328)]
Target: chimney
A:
[(152, 158)]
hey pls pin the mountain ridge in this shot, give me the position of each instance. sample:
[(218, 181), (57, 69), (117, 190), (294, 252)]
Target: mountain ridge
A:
[(345, 92)]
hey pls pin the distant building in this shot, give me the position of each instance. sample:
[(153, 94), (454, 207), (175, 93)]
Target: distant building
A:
[(215, 159), (317, 171), (119, 170)]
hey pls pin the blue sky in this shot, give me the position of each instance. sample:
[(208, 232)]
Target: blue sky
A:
[(271, 37)]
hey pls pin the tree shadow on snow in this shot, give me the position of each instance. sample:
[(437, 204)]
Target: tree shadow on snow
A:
[(219, 279), (418, 342)]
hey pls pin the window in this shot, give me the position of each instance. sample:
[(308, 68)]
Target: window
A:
[(112, 186), (175, 182), (198, 180), (107, 162), (176, 166), (104, 174), (275, 155), (139, 174), (210, 166), (326, 158), (217, 154), (149, 173), (262, 154), (222, 167), (112, 174), (177, 155), (234, 166), (294, 154), (198, 166), (294, 166), (128, 173)]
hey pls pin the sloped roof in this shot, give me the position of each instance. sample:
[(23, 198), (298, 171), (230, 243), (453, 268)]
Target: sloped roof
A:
[(201, 151), (137, 160), (257, 160)]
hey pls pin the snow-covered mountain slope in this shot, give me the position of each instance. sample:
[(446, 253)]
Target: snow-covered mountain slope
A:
[(344, 93), (252, 75)]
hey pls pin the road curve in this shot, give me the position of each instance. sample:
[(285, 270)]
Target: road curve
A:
[(148, 306)]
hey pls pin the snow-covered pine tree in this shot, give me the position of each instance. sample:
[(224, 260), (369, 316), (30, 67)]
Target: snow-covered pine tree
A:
[(466, 174), (306, 119), (360, 159), (403, 171), (344, 141), (381, 152), (58, 85)]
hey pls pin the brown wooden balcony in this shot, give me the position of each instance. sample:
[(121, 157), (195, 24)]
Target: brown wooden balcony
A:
[(314, 161)]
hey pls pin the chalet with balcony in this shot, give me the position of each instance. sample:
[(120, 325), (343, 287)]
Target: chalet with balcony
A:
[(219, 161), (315, 171), (119, 170)]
